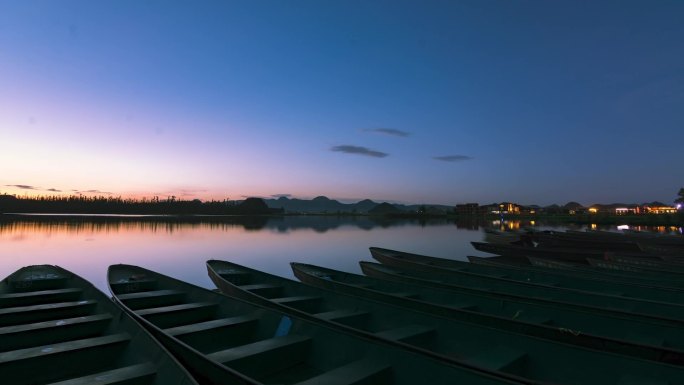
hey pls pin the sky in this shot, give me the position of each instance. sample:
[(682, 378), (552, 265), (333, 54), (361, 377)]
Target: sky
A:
[(443, 102)]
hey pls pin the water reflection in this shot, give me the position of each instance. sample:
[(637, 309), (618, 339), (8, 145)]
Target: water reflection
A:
[(180, 246), (284, 224)]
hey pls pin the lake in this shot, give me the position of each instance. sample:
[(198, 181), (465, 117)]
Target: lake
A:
[(179, 247)]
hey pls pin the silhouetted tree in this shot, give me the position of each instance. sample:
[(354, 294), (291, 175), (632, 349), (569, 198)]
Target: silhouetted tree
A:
[(680, 199)]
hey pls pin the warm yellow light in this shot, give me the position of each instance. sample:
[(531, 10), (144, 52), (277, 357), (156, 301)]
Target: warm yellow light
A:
[(593, 210)]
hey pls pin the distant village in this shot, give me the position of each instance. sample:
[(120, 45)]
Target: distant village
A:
[(571, 208)]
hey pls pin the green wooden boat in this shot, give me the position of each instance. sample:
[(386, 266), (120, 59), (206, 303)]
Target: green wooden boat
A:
[(606, 272), (461, 343), (569, 322), (230, 341), (56, 328), (664, 264), (652, 297), (574, 255), (644, 271)]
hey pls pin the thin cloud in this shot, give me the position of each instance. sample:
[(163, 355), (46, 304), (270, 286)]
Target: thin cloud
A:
[(22, 186), (358, 150), (453, 158), (53, 190), (96, 192), (389, 131)]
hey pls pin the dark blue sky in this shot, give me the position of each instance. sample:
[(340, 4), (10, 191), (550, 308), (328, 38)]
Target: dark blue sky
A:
[(439, 101)]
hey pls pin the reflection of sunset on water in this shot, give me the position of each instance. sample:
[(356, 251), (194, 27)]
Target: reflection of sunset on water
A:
[(181, 249)]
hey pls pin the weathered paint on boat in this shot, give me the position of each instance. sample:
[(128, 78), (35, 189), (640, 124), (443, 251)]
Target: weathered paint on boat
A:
[(230, 341), (457, 342), (57, 328)]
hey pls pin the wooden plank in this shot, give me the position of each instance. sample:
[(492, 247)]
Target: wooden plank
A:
[(175, 315), (304, 303), (46, 332), (502, 358), (153, 298), (408, 332), (210, 325), (44, 312), (141, 373), (280, 353), (361, 372), (39, 297)]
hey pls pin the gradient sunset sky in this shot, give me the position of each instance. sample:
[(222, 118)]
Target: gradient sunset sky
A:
[(535, 102)]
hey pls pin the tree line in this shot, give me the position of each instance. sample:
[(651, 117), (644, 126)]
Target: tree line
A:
[(77, 204)]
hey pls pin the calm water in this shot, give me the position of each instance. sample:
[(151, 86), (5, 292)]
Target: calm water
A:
[(180, 248)]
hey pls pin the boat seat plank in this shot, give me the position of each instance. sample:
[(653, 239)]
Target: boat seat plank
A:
[(334, 315), (502, 358), (533, 318), (304, 303), (133, 285), (462, 306), (362, 372), (234, 276), (153, 298), (174, 308), (134, 374), (71, 358), (279, 352), (38, 297), (408, 332), (44, 312), (263, 289), (182, 314), (35, 283), (210, 325), (40, 333), (354, 318), (406, 294)]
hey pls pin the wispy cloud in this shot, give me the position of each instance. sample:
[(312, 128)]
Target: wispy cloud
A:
[(281, 196), (453, 158), (389, 131), (358, 150), (96, 192), (53, 190), (22, 186)]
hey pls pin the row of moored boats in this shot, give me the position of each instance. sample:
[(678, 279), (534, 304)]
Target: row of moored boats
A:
[(409, 319)]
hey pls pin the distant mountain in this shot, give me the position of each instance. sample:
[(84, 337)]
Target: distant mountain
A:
[(322, 204)]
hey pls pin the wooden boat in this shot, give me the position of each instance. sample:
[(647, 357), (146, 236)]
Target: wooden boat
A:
[(502, 283), (57, 328), (573, 255), (634, 289), (229, 341), (664, 264), (642, 271), (555, 239), (605, 272), (571, 323), (505, 237), (447, 339)]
